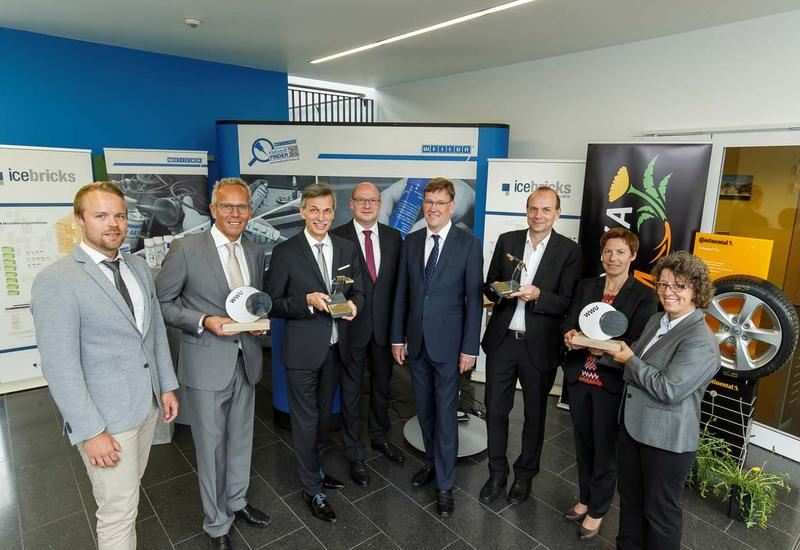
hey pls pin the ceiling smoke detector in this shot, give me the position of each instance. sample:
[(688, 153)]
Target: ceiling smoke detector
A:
[(192, 22)]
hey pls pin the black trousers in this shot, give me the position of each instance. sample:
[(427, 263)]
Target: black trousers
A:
[(509, 362), (311, 393), (594, 416), (378, 360), (650, 485)]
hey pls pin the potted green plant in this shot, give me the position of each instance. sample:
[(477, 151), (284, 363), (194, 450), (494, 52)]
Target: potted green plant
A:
[(752, 493)]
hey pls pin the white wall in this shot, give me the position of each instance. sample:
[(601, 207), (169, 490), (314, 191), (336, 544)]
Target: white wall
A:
[(740, 74)]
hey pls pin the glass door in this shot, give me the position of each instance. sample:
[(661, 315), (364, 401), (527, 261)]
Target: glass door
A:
[(753, 191)]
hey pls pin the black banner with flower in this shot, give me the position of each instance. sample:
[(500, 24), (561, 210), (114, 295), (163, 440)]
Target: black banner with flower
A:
[(655, 190)]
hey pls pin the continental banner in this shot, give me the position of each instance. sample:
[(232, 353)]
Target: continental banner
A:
[(656, 190), (733, 255)]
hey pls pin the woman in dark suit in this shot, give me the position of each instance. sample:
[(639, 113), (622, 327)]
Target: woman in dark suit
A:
[(595, 382), (666, 373)]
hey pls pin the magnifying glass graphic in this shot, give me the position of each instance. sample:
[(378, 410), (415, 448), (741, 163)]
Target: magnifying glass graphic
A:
[(260, 151)]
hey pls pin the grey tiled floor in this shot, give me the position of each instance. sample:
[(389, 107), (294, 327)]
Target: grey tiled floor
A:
[(46, 500)]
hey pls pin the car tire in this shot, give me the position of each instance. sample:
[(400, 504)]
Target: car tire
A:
[(755, 324)]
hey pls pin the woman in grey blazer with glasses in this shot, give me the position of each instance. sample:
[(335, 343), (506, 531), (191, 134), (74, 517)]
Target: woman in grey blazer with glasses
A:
[(666, 373)]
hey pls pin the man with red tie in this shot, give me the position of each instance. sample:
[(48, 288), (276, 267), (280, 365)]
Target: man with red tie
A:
[(367, 339)]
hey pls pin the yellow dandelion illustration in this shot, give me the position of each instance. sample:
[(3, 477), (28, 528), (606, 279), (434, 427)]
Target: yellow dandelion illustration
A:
[(620, 184)]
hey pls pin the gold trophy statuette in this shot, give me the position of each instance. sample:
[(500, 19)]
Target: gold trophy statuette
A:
[(338, 306), (504, 288)]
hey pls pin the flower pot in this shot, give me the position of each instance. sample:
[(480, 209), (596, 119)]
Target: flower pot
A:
[(735, 511)]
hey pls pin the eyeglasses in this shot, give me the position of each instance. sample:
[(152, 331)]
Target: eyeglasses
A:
[(362, 202), (440, 204), (226, 208), (674, 287)]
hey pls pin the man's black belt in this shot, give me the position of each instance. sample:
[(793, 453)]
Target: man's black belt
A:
[(517, 334)]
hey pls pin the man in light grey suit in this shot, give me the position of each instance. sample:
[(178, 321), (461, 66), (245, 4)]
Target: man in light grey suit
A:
[(218, 370), (105, 357)]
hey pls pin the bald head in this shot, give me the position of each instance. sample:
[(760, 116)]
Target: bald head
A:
[(365, 202)]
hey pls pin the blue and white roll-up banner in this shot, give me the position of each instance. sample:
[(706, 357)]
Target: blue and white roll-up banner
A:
[(166, 192), (510, 182), (37, 185), (279, 159)]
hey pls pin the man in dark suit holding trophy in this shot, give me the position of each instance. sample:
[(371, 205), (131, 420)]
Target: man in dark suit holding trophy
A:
[(522, 340), (314, 280)]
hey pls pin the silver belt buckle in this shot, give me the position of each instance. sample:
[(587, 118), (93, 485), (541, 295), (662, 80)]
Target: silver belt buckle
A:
[(519, 335)]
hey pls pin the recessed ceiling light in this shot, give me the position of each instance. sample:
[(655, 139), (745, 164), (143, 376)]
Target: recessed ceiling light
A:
[(436, 27)]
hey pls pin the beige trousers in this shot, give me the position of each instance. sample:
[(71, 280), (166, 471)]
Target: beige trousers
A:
[(116, 490)]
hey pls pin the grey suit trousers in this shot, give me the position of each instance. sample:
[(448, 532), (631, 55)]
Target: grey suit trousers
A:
[(222, 429)]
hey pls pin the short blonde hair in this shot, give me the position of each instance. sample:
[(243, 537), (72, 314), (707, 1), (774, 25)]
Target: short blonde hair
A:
[(237, 182), (104, 186)]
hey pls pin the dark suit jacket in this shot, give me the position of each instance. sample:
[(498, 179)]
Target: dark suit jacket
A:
[(376, 314), (636, 300), (448, 311), (556, 277), (293, 273)]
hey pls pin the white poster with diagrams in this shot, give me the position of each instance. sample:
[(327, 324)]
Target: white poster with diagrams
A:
[(509, 182), (37, 185), (166, 192)]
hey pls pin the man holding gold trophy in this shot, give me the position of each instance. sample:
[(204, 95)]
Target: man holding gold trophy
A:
[(531, 279), (314, 280)]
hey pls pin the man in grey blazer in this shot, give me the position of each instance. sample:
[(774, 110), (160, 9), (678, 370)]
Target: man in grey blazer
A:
[(218, 370), (105, 358)]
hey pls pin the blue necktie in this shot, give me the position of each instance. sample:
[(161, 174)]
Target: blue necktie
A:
[(430, 266)]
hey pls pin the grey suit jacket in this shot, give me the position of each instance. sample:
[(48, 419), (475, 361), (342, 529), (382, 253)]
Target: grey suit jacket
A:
[(666, 384), (102, 372), (192, 271)]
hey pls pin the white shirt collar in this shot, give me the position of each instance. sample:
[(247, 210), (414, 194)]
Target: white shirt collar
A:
[(442, 232), (96, 256), (220, 239), (360, 228), (312, 242), (543, 242), (668, 325)]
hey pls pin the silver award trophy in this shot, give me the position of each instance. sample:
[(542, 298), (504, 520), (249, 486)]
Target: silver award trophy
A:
[(600, 322), (248, 307), (504, 288), (338, 306)]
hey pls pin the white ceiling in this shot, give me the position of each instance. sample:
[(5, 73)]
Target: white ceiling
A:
[(285, 35)]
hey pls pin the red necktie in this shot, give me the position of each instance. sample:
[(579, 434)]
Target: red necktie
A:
[(370, 253)]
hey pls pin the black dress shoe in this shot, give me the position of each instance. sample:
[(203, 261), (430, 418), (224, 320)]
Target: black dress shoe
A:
[(445, 503), (330, 482), (520, 491), (320, 507), (253, 516), (220, 543), (390, 451), (491, 490), (423, 477), (358, 471)]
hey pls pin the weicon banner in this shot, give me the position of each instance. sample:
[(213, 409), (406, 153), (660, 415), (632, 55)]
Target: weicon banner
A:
[(166, 191), (654, 189)]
